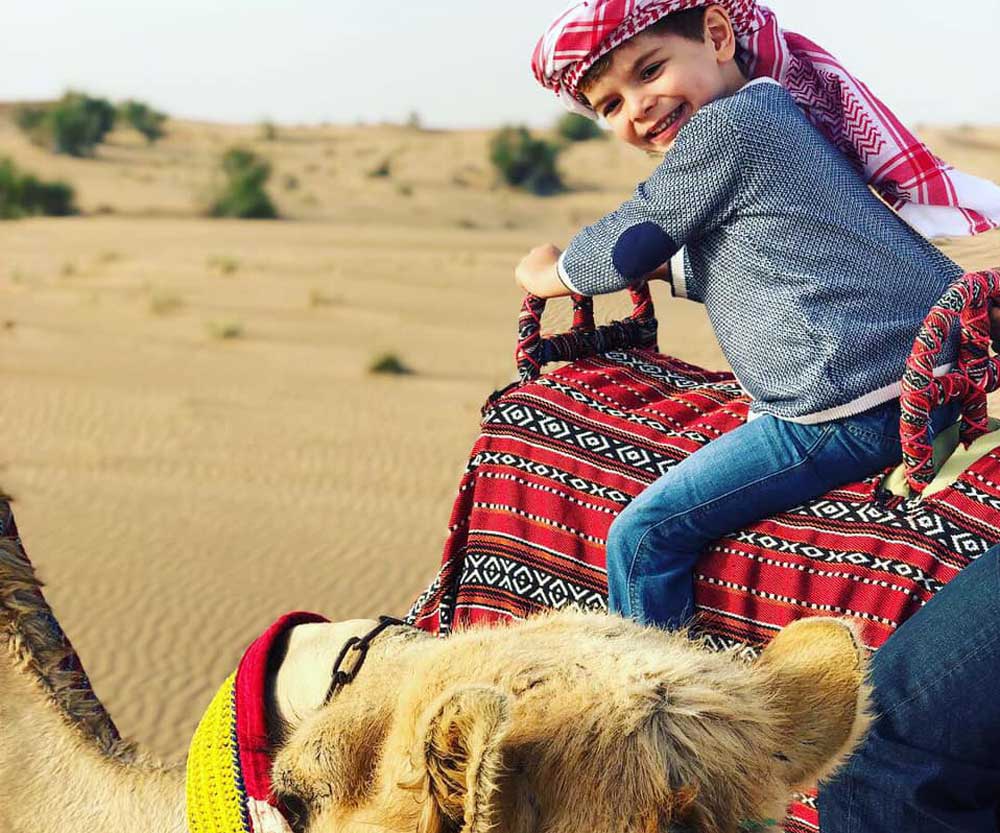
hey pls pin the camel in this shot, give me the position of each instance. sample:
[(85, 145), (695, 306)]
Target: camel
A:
[(568, 722)]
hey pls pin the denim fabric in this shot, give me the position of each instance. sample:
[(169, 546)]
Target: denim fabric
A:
[(932, 760), (767, 465)]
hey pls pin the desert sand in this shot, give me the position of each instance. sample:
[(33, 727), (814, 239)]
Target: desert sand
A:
[(190, 430)]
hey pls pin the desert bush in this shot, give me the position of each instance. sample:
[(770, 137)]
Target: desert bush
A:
[(225, 330), (143, 118), (576, 128), (29, 119), (382, 169), (389, 364), (243, 195), (318, 298), (267, 131), (226, 265), (162, 302), (74, 125), (24, 195), (526, 162)]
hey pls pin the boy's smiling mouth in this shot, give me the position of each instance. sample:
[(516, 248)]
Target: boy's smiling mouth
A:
[(666, 128)]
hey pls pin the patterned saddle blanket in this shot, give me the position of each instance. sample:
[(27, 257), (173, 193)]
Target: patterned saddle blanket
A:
[(558, 457)]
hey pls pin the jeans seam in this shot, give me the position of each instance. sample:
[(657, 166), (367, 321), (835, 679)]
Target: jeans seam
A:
[(866, 433), (915, 694), (965, 658), (821, 440)]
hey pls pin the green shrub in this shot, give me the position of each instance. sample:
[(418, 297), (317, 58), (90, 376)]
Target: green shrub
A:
[(29, 119), (225, 264), (318, 298), (526, 162), (382, 169), (76, 124), (225, 330), (576, 128), (162, 302), (267, 131), (143, 118), (24, 195), (390, 364), (243, 193)]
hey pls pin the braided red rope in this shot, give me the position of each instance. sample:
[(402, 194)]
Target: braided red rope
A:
[(529, 335), (584, 338), (977, 373)]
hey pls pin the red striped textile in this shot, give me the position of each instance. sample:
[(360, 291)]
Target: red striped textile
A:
[(927, 192), (965, 306), (560, 456)]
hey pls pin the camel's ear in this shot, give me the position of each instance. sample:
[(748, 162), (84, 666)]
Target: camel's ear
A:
[(816, 670), (462, 755)]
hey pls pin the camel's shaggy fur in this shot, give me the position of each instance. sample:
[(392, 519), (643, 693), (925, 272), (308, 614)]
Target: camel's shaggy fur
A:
[(571, 722), (35, 643), (574, 722)]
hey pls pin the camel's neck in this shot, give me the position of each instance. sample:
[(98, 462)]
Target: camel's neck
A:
[(62, 768), (53, 779)]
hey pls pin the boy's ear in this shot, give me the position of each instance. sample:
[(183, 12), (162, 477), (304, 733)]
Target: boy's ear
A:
[(719, 32)]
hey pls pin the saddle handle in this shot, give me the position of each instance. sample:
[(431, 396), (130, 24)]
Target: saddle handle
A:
[(583, 339), (967, 303)]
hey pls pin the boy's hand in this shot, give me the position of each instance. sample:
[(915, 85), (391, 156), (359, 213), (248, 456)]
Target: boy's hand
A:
[(994, 312), (538, 274)]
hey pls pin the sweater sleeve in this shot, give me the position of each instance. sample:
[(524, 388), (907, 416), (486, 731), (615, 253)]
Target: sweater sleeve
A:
[(691, 192)]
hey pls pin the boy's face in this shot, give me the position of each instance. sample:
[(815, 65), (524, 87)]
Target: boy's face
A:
[(657, 81)]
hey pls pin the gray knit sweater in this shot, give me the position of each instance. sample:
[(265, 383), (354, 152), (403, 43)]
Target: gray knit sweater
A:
[(815, 289)]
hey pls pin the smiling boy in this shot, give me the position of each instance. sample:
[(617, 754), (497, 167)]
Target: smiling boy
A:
[(761, 207)]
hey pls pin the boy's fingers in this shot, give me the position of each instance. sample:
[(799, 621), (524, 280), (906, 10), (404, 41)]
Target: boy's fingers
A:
[(660, 273), (994, 315)]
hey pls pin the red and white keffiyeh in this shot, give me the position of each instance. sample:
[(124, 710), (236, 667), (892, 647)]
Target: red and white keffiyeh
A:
[(932, 196)]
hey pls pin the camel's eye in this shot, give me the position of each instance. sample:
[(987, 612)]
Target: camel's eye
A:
[(297, 812)]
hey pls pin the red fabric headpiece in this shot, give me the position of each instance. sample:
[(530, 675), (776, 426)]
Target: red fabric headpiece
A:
[(934, 197)]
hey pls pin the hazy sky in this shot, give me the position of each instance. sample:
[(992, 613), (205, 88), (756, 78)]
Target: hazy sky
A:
[(455, 63)]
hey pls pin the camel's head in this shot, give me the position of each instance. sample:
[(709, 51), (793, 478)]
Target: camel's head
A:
[(571, 723)]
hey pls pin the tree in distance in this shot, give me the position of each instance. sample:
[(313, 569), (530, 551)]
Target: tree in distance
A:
[(74, 125), (143, 118), (77, 122), (242, 195), (525, 161), (24, 195), (576, 128)]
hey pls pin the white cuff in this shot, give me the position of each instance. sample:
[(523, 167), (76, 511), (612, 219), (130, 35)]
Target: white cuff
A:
[(677, 277), (561, 270)]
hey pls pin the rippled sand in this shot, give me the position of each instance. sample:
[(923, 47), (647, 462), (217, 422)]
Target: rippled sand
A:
[(178, 489)]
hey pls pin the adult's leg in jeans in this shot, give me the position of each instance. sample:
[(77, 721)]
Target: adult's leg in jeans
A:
[(763, 467), (931, 762)]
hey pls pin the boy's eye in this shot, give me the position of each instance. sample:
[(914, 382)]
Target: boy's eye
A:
[(651, 70), (609, 107)]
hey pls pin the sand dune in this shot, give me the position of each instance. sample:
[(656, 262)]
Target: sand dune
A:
[(177, 489)]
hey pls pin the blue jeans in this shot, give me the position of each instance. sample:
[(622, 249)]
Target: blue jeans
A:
[(767, 465), (931, 762)]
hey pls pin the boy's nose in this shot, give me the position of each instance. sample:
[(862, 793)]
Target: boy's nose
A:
[(640, 106)]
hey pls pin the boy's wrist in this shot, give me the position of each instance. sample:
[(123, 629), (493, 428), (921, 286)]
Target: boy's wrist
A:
[(564, 276), (538, 273)]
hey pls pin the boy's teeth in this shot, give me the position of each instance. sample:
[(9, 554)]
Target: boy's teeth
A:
[(665, 123)]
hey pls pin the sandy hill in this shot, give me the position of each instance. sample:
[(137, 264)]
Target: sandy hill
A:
[(190, 428)]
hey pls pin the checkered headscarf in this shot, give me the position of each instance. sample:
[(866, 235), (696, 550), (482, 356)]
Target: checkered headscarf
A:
[(928, 193)]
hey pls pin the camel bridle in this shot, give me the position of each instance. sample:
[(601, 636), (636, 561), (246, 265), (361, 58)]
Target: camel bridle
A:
[(356, 646)]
